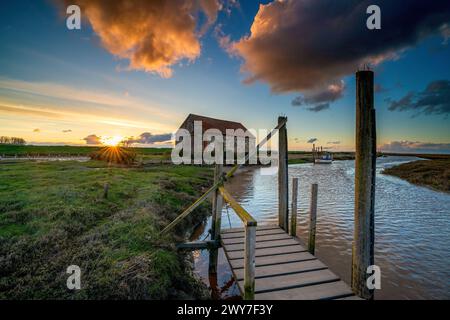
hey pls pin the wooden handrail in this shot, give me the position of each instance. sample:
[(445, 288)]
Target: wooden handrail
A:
[(241, 212), (281, 124), (249, 245)]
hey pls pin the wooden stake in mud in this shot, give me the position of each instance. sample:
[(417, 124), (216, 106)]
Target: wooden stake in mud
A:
[(216, 220), (312, 219), (249, 262), (216, 205), (283, 192), (105, 190), (365, 166), (293, 231)]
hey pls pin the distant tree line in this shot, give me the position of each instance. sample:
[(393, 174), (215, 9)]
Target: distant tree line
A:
[(12, 140)]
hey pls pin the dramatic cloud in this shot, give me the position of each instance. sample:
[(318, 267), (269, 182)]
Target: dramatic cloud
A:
[(93, 139), (319, 107), (312, 140), (37, 130), (319, 100), (435, 99), (415, 147), (148, 138), (307, 45), (152, 34)]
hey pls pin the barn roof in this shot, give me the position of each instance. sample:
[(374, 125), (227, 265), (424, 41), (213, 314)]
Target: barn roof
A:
[(212, 123)]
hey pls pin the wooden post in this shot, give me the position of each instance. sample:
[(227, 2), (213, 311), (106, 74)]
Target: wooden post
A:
[(365, 166), (283, 192), (249, 262), (216, 221), (312, 219), (216, 205), (314, 153), (294, 207), (105, 190)]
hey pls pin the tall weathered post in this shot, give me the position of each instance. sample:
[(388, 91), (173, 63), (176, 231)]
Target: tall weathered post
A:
[(313, 219), (365, 165), (216, 220), (283, 193), (293, 230), (217, 203)]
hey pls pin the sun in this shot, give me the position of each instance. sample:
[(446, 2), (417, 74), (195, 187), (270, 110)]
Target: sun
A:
[(112, 141)]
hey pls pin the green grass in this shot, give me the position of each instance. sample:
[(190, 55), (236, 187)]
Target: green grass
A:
[(434, 174), (143, 153), (53, 214)]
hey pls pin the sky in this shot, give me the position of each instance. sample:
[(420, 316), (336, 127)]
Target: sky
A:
[(136, 69)]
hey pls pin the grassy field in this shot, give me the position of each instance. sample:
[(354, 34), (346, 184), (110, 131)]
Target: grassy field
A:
[(421, 155), (430, 173), (295, 157), (54, 214), (28, 150)]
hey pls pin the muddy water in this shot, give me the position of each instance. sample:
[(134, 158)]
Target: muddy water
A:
[(412, 226)]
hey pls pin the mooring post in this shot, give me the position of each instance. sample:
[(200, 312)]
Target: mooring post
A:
[(216, 205), (283, 191), (216, 220), (365, 166), (314, 153), (249, 262), (293, 231), (312, 219)]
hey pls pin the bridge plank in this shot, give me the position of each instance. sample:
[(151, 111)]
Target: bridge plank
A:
[(262, 238), (290, 281), (351, 298), (241, 234), (280, 269), (275, 259), (331, 290), (267, 251), (240, 229), (265, 244)]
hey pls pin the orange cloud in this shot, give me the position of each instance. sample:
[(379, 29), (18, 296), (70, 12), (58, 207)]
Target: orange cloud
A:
[(152, 34)]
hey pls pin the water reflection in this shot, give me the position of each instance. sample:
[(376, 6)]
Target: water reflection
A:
[(412, 226)]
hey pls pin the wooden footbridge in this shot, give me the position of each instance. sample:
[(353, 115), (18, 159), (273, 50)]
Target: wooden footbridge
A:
[(270, 262), (284, 269)]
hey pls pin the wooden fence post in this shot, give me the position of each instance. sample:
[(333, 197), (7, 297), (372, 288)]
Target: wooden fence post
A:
[(283, 191), (365, 166), (105, 190), (249, 262), (215, 221), (217, 205), (312, 219), (293, 231)]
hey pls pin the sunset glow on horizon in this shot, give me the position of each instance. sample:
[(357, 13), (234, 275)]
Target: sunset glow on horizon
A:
[(112, 141)]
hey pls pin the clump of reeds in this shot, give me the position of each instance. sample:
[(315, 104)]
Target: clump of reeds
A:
[(116, 154)]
